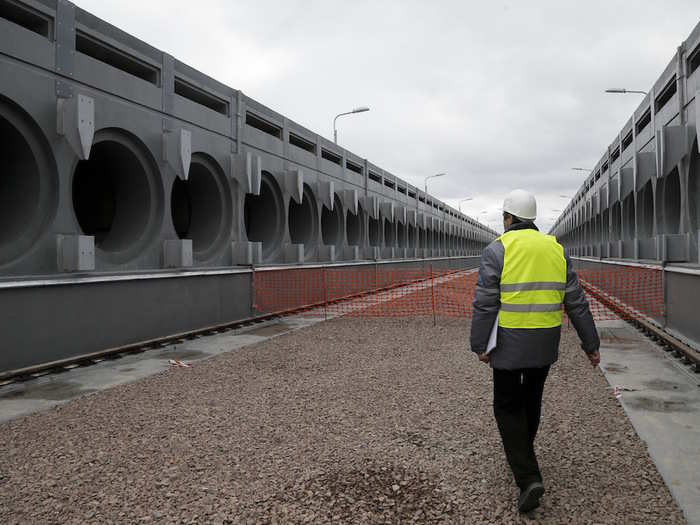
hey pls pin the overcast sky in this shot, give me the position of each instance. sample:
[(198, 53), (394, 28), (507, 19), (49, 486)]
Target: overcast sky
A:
[(499, 95)]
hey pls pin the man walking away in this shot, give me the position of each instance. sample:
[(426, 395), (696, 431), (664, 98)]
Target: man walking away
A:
[(524, 279)]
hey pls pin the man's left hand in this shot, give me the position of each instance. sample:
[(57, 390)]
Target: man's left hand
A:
[(483, 357)]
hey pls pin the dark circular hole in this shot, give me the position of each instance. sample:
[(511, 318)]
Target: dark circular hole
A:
[(629, 227), (261, 215), (616, 220), (20, 184), (671, 203), (332, 224), (646, 211), (302, 220), (389, 233), (374, 232), (112, 196), (411, 236), (400, 234), (353, 227), (694, 188), (197, 207)]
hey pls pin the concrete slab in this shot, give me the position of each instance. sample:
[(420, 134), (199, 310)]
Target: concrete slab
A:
[(662, 399), (50, 390)]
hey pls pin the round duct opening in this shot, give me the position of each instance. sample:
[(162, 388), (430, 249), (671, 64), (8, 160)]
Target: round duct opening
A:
[(628, 229), (389, 233), (646, 211), (604, 229), (615, 222), (694, 188), (262, 216), (200, 207), (332, 224), (671, 211), (374, 232), (353, 227), (28, 185), (303, 218), (400, 234), (411, 236), (114, 196)]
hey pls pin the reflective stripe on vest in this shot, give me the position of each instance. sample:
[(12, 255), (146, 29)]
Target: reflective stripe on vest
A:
[(533, 280)]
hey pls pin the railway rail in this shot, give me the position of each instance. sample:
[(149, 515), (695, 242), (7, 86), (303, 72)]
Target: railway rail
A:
[(648, 327), (62, 365)]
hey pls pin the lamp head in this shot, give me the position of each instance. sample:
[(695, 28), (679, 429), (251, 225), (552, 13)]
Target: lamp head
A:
[(361, 109)]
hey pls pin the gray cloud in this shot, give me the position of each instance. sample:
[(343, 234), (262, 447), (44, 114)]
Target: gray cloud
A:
[(499, 95)]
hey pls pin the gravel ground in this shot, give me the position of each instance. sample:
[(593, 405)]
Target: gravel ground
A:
[(362, 421)]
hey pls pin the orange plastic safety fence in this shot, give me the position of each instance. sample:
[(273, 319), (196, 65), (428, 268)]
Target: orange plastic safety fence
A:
[(625, 292)]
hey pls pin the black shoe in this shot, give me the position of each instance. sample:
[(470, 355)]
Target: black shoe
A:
[(530, 497)]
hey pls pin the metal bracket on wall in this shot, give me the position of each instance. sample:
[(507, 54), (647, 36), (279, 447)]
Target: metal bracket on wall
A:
[(177, 149), (350, 199), (253, 173), (387, 210), (369, 203), (294, 182), (675, 145), (75, 120), (400, 214), (326, 190), (411, 217)]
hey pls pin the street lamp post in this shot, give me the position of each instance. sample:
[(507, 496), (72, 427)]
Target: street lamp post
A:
[(361, 109), (459, 204), (625, 91), (431, 177)]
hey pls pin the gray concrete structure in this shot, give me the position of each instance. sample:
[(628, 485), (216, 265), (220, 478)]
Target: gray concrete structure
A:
[(641, 202), (134, 189), (642, 199)]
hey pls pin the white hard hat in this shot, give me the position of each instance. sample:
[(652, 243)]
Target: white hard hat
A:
[(522, 204)]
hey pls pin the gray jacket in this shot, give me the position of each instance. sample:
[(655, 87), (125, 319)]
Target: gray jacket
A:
[(524, 347)]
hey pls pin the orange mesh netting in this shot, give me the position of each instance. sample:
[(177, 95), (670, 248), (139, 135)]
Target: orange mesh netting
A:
[(613, 292)]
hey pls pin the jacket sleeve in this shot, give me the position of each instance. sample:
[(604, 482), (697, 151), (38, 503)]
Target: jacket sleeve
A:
[(576, 306), (487, 296)]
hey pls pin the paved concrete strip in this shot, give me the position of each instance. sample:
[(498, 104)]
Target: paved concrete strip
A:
[(662, 399), (50, 390)]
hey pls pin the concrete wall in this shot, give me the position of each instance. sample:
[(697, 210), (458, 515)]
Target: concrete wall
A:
[(642, 199), (136, 193), (53, 319), (121, 158)]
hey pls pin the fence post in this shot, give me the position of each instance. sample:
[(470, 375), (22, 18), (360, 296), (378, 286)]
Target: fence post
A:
[(325, 295), (432, 293), (664, 291), (253, 302)]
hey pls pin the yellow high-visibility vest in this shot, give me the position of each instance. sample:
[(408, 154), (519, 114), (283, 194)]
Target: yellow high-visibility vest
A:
[(533, 280)]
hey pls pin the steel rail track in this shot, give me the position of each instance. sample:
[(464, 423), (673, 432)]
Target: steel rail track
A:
[(654, 332), (62, 365), (650, 329)]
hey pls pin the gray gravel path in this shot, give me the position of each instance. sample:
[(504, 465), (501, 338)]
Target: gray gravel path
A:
[(354, 421)]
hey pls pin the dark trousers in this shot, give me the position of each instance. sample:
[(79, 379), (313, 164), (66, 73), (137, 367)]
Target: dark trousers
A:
[(517, 402)]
